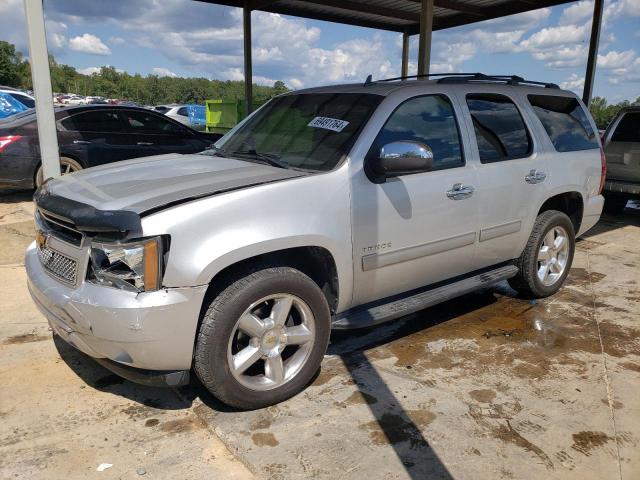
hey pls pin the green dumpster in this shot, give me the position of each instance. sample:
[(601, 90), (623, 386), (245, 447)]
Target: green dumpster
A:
[(223, 115)]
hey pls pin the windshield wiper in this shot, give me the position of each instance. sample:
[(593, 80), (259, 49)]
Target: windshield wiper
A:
[(268, 158)]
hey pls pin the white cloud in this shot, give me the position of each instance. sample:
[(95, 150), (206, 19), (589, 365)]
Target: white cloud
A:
[(163, 72), (116, 40), (554, 36), (577, 13), (89, 70), (574, 82), (88, 43), (616, 60)]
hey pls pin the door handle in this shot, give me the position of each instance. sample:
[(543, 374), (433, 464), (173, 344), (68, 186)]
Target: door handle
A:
[(535, 176), (145, 143), (460, 192), (81, 142)]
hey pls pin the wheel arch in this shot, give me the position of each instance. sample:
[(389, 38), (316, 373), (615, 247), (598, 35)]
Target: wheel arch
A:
[(317, 262), (570, 203)]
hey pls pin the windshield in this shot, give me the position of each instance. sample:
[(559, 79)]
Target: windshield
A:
[(310, 131)]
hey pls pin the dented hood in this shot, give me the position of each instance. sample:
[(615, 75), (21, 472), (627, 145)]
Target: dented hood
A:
[(150, 183)]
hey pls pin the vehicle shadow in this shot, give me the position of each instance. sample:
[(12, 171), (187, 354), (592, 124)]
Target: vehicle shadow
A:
[(98, 377), (614, 221), (8, 195)]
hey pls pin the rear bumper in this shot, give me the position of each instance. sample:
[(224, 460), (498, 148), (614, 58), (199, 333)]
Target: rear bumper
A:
[(591, 214), (618, 187), (151, 331)]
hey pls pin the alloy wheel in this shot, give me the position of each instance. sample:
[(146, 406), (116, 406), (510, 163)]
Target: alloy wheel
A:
[(553, 256), (271, 342)]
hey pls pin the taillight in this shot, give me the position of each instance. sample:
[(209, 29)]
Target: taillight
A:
[(4, 141), (603, 175)]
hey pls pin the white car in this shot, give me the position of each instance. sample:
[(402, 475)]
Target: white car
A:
[(76, 100), (178, 113)]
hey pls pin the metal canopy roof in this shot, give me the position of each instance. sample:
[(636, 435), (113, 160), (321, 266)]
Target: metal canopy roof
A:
[(394, 15)]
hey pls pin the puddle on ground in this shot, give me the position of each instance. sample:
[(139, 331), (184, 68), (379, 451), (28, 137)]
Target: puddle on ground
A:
[(262, 439), (488, 329)]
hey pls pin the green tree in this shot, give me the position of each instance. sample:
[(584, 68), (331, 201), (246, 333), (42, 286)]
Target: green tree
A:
[(11, 65)]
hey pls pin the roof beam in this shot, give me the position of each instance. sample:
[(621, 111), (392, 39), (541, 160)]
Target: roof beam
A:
[(503, 10), (374, 10)]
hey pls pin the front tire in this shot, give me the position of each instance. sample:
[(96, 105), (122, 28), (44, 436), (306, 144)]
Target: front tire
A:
[(262, 339), (547, 257)]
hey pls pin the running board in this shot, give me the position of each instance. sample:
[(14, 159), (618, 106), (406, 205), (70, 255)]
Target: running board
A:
[(369, 316)]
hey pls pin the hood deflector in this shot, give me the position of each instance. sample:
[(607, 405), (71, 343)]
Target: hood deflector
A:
[(85, 218)]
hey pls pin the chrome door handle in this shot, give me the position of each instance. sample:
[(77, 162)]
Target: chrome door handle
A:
[(145, 143), (535, 176), (460, 192), (81, 142)]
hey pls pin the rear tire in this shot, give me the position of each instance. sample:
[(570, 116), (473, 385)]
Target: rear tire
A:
[(282, 345), (67, 165), (546, 260)]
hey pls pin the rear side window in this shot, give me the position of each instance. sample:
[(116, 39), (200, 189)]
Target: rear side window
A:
[(143, 122), (95, 121), (430, 120), (565, 121), (182, 112), (499, 127), (628, 130)]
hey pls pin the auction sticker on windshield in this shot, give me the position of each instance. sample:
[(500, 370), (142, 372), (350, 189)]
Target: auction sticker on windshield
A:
[(328, 123)]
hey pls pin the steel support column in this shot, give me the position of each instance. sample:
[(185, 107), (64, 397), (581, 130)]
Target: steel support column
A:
[(593, 51), (405, 54), (41, 79), (248, 74), (426, 28)]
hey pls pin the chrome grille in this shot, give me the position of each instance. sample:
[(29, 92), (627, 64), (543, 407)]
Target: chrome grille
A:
[(59, 265)]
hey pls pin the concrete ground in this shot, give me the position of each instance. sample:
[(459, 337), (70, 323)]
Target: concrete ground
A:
[(485, 386)]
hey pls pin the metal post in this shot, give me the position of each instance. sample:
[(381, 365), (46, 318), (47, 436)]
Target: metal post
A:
[(405, 54), (590, 74), (41, 78), (248, 75), (426, 27)]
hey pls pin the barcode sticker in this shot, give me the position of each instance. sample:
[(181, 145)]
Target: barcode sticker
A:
[(328, 123)]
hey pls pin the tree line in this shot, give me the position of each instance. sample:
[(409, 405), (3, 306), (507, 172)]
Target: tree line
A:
[(154, 90), (111, 83)]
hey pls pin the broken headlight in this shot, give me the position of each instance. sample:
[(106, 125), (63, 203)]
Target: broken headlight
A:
[(135, 266)]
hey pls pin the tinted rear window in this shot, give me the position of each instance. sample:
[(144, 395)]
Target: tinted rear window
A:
[(93, 121), (565, 121), (628, 130), (500, 131)]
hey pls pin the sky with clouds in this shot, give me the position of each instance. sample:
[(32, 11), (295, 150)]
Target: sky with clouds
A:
[(187, 38)]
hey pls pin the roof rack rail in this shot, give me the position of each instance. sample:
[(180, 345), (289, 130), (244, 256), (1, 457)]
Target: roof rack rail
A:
[(468, 78)]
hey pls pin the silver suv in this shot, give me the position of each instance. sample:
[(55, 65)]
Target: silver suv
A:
[(336, 207)]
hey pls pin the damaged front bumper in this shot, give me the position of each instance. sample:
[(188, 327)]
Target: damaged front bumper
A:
[(128, 332)]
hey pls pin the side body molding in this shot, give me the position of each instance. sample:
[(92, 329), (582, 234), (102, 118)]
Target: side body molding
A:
[(378, 260)]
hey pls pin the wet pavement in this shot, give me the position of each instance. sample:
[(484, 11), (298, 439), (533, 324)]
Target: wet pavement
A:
[(485, 386)]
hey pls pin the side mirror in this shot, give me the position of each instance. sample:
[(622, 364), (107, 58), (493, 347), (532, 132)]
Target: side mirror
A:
[(402, 158)]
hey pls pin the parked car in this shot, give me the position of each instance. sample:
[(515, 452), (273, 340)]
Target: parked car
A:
[(24, 98), (89, 136), (622, 149), (334, 207), (75, 100)]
